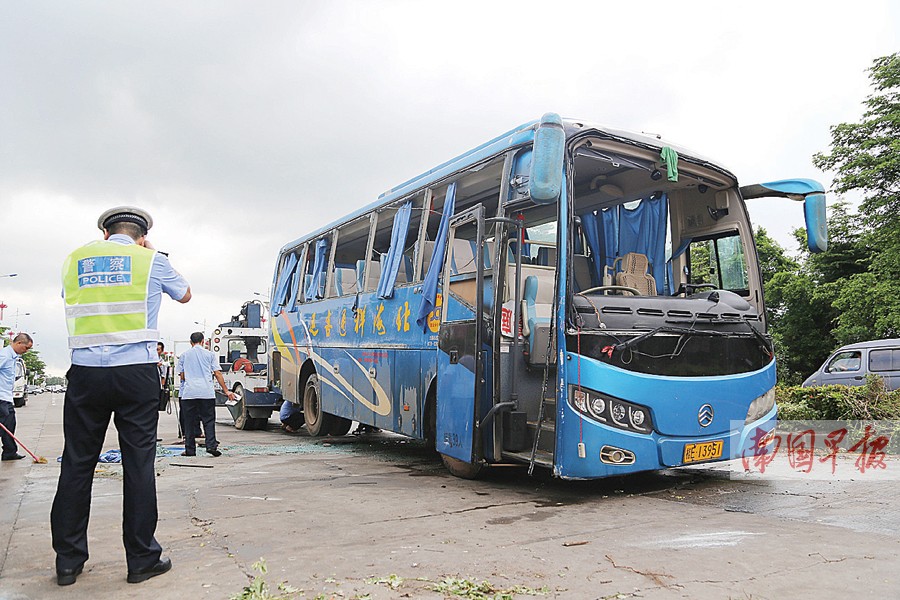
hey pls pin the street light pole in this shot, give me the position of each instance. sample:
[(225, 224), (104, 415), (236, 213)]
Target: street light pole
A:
[(16, 326)]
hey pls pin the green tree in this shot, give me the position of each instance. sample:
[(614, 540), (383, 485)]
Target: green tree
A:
[(772, 257), (866, 158), (35, 366)]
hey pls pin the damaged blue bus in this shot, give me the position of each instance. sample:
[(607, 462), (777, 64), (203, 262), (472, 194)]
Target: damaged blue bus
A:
[(565, 296)]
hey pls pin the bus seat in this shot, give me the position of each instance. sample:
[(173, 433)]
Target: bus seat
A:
[(360, 273), (234, 355), (427, 253), (581, 269), (344, 282), (546, 256), (537, 322), (634, 274), (369, 275), (462, 257), (546, 278), (404, 272)]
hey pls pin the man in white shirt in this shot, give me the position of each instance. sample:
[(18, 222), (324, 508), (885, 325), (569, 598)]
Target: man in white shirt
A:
[(197, 367), (8, 358)]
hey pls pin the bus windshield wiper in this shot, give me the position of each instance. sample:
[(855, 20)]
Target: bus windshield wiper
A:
[(664, 329), (763, 342)]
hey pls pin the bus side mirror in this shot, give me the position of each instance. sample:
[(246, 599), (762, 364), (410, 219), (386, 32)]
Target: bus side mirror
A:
[(816, 222), (545, 180)]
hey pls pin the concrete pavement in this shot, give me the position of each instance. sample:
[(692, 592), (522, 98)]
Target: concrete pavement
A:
[(377, 517)]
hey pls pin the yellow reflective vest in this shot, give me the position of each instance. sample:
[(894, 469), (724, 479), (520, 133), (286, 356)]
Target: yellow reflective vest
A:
[(105, 285)]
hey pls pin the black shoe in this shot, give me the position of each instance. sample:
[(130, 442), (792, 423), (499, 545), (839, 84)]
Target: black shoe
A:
[(186, 453), (215, 452), (68, 576), (162, 565), (13, 457)]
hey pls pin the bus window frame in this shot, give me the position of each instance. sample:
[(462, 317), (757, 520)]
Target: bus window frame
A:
[(353, 225), (328, 235), (283, 303), (419, 267), (714, 238)]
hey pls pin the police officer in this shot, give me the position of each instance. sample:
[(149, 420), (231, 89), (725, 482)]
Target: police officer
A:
[(113, 290)]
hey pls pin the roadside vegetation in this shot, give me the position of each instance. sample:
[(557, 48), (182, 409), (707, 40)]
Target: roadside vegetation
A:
[(869, 402)]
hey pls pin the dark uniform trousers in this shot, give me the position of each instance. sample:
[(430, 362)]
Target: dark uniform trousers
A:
[(8, 418), (196, 411), (131, 395)]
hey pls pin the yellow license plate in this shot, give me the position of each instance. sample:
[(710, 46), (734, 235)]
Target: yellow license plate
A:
[(703, 451)]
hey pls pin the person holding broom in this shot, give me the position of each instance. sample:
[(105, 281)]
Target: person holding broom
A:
[(8, 356), (113, 290)]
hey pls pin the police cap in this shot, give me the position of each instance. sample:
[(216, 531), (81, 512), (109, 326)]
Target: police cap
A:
[(129, 214)]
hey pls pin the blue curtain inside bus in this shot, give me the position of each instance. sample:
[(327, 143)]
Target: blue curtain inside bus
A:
[(670, 279), (317, 280), (429, 286), (619, 230), (294, 287), (281, 287), (390, 262)]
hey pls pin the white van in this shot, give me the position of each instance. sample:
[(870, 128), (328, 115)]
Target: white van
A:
[(850, 365)]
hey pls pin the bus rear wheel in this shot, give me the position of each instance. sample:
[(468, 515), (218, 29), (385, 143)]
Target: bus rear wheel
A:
[(318, 422), (461, 469)]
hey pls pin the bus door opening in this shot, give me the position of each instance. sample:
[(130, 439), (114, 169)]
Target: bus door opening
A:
[(460, 364)]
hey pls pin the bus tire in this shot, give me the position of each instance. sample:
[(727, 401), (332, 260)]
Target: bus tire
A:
[(461, 469), (239, 411), (318, 422), (339, 425)]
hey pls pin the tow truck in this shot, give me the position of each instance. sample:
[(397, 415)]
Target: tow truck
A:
[(240, 345)]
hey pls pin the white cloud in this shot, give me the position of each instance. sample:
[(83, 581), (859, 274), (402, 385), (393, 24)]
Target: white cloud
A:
[(242, 126)]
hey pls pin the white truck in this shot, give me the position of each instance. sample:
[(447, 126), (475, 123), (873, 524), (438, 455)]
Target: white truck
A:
[(241, 345)]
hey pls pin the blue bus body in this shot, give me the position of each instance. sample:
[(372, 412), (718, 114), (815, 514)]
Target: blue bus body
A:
[(616, 328)]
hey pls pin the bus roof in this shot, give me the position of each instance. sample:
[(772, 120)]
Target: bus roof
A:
[(519, 136)]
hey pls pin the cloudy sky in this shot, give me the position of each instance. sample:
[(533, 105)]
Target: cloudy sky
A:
[(243, 125)]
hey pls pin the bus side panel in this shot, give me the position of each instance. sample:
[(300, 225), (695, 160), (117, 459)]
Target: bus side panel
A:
[(336, 380), (284, 331), (408, 391)]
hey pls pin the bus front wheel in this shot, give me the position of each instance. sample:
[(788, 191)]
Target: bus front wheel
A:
[(463, 470), (318, 422)]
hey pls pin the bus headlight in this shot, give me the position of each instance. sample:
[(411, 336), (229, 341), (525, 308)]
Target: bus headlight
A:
[(611, 411), (760, 407), (637, 417)]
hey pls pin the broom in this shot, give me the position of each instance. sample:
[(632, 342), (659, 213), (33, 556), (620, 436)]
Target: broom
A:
[(38, 459)]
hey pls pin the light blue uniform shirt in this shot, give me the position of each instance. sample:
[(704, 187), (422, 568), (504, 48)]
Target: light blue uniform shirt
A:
[(8, 358), (198, 365), (163, 278)]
